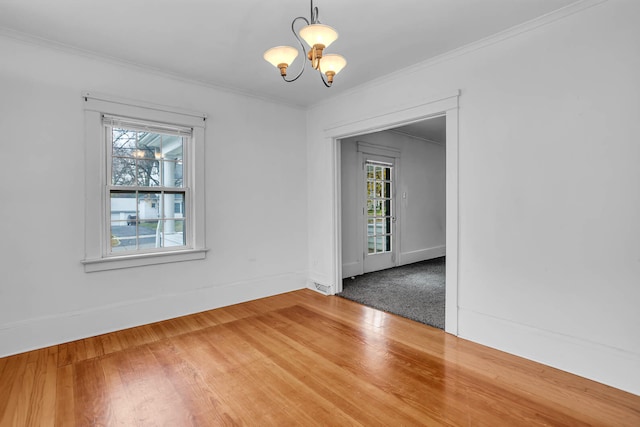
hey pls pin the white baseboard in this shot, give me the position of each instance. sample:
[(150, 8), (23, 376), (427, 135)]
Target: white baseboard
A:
[(351, 269), (18, 337), (611, 366), (421, 255)]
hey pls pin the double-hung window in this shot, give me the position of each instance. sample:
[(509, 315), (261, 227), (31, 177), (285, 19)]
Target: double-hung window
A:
[(147, 191), (144, 173)]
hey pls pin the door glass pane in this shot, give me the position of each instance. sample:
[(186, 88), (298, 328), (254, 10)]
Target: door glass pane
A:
[(379, 207), (378, 174), (370, 208), (379, 190)]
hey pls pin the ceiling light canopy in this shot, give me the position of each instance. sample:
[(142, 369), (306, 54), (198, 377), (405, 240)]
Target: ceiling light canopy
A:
[(318, 36)]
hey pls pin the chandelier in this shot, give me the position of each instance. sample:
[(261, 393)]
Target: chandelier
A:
[(318, 36)]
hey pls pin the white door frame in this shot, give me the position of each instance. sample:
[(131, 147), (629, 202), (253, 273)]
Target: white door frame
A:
[(446, 104)]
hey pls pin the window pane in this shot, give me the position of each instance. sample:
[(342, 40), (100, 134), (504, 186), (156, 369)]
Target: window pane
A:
[(178, 206), (387, 207), (173, 233), (380, 226), (123, 171), (371, 244), (123, 142), (148, 173), (123, 237), (123, 206), (148, 145), (173, 205), (172, 147), (148, 237), (380, 243), (148, 206), (172, 173)]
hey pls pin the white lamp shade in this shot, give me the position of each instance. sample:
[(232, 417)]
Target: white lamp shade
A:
[(318, 34), (332, 62), (281, 55)]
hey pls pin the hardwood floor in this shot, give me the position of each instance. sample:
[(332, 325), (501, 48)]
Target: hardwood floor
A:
[(295, 359)]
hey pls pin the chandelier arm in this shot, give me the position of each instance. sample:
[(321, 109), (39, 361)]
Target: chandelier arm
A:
[(304, 51), (323, 80), (314, 14)]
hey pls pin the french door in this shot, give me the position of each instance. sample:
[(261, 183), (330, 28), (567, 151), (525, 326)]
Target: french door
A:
[(379, 213)]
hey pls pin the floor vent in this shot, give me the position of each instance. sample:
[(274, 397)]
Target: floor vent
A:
[(324, 289)]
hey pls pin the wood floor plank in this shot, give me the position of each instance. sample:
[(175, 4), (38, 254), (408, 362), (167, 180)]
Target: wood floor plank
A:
[(110, 343), (513, 373), (65, 397), (192, 388), (93, 347), (254, 382), (3, 363), (91, 394), (299, 358), (41, 400), (138, 394), (372, 377), (10, 389)]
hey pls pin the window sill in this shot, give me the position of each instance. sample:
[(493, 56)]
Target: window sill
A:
[(127, 261)]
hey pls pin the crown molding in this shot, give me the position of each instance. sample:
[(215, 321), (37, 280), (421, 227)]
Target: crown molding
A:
[(419, 138)]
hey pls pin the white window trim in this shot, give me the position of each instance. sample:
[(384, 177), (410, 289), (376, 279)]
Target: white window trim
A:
[(95, 105)]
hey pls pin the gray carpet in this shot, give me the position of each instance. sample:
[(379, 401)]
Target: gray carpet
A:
[(415, 291)]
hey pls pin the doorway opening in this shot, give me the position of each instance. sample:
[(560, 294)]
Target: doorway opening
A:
[(393, 187), (444, 105)]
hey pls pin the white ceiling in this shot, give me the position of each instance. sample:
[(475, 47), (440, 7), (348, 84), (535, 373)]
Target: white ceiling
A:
[(434, 129), (221, 42)]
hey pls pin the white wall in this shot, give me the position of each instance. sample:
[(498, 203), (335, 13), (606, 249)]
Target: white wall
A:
[(549, 197), (256, 225), (420, 213)]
